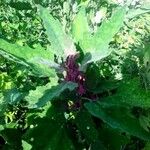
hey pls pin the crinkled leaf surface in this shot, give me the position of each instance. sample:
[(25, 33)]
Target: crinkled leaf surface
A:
[(130, 93), (118, 118), (29, 57), (61, 43)]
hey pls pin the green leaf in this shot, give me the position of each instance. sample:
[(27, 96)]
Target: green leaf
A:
[(147, 146), (92, 70), (60, 43), (26, 146), (96, 47), (88, 128), (3, 105), (137, 12), (34, 95), (49, 132), (1, 128), (13, 96), (80, 25), (46, 95), (131, 93), (118, 118), (114, 139), (32, 58), (52, 136), (9, 134), (20, 5), (145, 122), (97, 145)]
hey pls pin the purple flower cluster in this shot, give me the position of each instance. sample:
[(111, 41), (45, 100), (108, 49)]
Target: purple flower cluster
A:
[(73, 74)]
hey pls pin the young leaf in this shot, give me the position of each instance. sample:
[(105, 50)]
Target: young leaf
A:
[(29, 57), (60, 43), (97, 45), (80, 25), (118, 118)]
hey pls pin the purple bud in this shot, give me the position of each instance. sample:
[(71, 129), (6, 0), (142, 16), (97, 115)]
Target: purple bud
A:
[(74, 75)]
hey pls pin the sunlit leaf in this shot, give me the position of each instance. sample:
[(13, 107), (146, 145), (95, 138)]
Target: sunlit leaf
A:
[(29, 57), (96, 47), (42, 95), (61, 43)]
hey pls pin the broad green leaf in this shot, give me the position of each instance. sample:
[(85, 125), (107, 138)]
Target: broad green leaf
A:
[(136, 12), (92, 70), (32, 58), (96, 46), (145, 5), (88, 128), (80, 25), (9, 134), (52, 131), (118, 118), (144, 8), (61, 43), (34, 95), (46, 95), (108, 29), (113, 139), (105, 86), (131, 93), (48, 134)]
